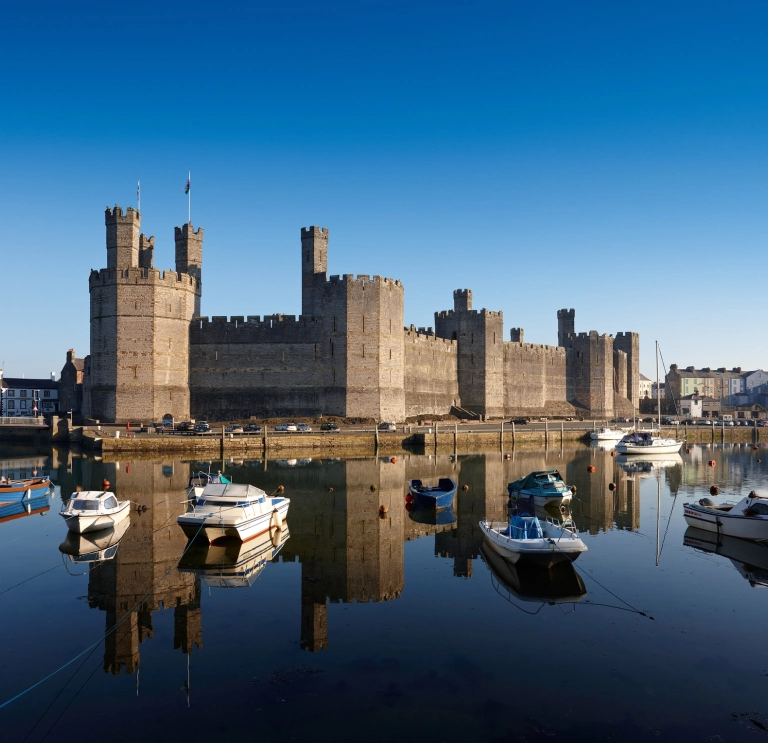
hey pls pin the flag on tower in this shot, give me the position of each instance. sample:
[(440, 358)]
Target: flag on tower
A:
[(138, 194), (189, 183)]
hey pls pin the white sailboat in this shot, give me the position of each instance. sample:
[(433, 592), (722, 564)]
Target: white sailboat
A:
[(644, 442)]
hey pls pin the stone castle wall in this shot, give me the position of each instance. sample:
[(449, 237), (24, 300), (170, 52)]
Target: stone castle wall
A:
[(347, 355), (431, 374)]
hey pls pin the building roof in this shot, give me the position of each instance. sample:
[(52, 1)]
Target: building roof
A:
[(706, 374), (20, 383), (643, 378), (79, 364), (699, 397)]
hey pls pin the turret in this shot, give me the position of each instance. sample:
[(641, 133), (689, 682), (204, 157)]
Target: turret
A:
[(566, 324), (462, 300), (189, 250), (122, 237), (314, 266)]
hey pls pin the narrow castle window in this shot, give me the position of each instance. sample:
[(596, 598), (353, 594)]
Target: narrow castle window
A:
[(363, 323), (363, 350), (334, 324), (331, 349), (390, 355)]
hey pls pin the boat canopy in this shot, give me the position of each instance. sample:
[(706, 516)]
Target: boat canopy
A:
[(638, 438), (235, 491), (201, 479), (535, 480), (523, 527)]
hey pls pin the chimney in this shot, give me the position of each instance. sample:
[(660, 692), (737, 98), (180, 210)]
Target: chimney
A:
[(53, 376)]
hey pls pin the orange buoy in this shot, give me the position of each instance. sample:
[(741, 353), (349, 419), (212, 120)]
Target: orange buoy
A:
[(611, 486), (393, 460), (465, 488), (714, 490), (330, 490), (591, 468), (105, 484), (712, 463), (687, 451), (280, 488), (613, 453), (383, 509)]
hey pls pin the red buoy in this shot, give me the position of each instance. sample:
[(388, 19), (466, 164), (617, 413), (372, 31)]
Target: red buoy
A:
[(714, 490), (409, 498), (393, 460), (712, 463), (687, 451), (409, 506), (591, 468)]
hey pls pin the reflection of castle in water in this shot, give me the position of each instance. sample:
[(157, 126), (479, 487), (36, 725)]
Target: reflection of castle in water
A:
[(349, 551), (126, 588)]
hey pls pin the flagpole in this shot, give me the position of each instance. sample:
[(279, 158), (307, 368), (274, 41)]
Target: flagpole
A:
[(138, 195), (189, 197)]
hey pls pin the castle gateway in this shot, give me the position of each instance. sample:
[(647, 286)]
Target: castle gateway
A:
[(348, 354)]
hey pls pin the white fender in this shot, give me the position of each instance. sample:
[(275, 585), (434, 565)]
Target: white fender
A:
[(277, 520)]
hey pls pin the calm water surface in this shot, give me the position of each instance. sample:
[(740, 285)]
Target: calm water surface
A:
[(363, 627)]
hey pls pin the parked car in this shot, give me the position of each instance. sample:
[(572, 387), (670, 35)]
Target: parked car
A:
[(281, 427), (762, 424), (329, 427), (303, 428), (235, 428), (202, 427), (253, 428), (389, 427), (291, 427), (520, 421), (159, 428), (185, 426)]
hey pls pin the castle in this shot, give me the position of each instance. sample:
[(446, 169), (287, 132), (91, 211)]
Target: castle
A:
[(348, 354)]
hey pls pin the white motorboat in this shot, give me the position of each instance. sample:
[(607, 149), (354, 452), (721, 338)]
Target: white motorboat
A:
[(546, 541), (94, 546), (749, 557), (231, 563), (232, 510), (546, 487), (746, 519), (607, 434), (643, 442), (93, 510)]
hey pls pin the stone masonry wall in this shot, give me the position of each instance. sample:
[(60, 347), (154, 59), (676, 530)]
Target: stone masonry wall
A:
[(431, 374), (534, 377)]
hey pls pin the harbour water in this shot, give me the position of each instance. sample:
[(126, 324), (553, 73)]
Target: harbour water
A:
[(362, 625)]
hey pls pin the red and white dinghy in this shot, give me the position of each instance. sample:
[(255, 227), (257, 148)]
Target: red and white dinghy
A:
[(747, 519)]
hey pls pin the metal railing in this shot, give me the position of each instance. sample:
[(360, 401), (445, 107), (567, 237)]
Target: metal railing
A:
[(22, 421)]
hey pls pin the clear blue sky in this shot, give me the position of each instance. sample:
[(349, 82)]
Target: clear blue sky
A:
[(606, 156)]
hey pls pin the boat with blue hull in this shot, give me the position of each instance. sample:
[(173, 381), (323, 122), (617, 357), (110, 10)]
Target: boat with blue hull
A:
[(433, 496), (545, 487), (15, 490)]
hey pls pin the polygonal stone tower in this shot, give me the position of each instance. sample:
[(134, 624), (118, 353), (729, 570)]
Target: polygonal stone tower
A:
[(140, 319)]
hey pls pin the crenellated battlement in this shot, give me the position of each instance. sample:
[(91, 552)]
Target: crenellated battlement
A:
[(594, 335), (136, 275), (255, 329), (414, 336), (363, 279), (116, 215), (312, 230), (183, 231)]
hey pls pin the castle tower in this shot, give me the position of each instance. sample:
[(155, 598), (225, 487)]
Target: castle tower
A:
[(122, 237), (566, 326), (516, 335), (480, 336), (629, 343), (140, 320), (314, 267)]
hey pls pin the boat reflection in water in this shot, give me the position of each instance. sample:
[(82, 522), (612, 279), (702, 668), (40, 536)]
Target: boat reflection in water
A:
[(94, 546), (431, 516), (17, 509), (230, 563), (647, 464), (749, 557), (534, 583)]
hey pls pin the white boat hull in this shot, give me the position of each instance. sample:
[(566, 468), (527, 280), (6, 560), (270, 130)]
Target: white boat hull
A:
[(558, 543), (607, 435), (726, 522), (82, 523), (659, 446), (237, 524)]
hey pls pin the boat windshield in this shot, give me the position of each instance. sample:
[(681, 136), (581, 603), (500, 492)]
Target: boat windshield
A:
[(110, 502), (218, 502), (85, 505)]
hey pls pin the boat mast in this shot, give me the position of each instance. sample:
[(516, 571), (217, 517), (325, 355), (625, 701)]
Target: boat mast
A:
[(658, 389)]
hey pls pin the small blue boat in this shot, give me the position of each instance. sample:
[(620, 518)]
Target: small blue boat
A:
[(18, 490), (433, 496)]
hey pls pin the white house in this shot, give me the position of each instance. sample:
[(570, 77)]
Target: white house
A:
[(20, 397), (645, 386), (756, 383)]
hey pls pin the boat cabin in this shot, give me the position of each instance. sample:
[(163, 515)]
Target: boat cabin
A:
[(638, 438), (92, 500)]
